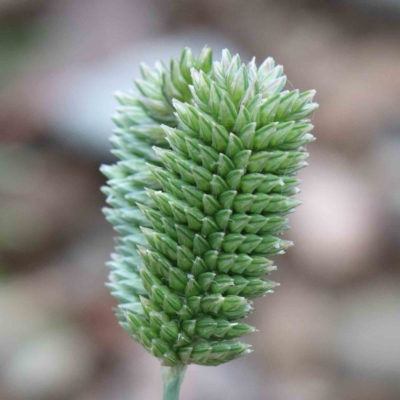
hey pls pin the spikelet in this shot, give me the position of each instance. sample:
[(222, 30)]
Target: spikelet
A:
[(208, 156)]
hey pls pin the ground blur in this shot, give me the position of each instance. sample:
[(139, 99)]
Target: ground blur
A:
[(331, 330)]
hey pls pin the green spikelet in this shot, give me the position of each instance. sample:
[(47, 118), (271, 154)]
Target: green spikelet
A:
[(208, 154)]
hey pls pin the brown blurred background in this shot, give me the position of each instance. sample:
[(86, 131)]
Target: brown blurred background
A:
[(331, 331)]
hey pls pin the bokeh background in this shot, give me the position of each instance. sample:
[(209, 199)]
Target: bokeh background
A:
[(331, 331)]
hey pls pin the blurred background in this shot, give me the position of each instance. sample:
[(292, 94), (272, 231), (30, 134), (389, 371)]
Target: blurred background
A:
[(331, 331)]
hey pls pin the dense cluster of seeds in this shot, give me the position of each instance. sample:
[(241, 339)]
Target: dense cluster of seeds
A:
[(207, 158)]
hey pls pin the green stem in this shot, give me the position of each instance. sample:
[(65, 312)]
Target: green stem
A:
[(172, 377)]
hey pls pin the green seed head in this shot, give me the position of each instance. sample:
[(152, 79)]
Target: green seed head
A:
[(208, 153)]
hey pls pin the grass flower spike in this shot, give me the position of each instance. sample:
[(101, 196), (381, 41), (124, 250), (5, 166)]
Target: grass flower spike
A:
[(208, 153)]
